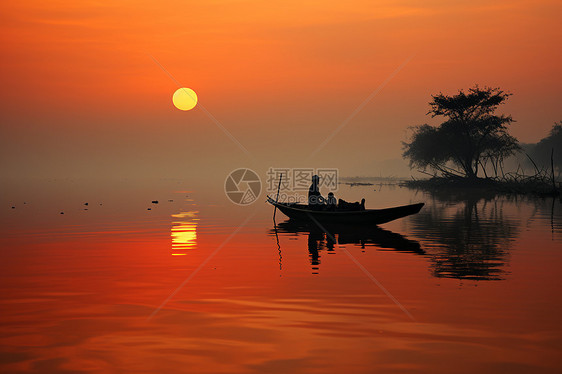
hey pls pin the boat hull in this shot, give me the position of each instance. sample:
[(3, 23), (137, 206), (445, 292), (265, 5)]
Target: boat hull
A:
[(301, 212)]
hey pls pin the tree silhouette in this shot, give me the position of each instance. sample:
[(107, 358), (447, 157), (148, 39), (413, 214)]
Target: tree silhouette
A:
[(470, 137), (541, 152)]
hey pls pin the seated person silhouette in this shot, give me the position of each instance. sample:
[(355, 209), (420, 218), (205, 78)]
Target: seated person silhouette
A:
[(315, 199), (332, 202), (346, 206)]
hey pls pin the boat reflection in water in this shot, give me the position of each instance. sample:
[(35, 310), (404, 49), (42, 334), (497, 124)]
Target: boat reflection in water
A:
[(325, 238), (184, 232)]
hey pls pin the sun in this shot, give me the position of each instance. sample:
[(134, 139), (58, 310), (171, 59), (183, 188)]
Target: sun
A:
[(184, 98)]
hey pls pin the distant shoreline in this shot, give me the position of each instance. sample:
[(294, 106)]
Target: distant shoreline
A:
[(527, 186)]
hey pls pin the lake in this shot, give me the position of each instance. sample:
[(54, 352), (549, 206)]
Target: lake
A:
[(197, 284)]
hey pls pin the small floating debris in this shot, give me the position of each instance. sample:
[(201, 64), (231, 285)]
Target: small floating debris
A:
[(87, 204), (61, 212), (13, 207), (170, 201), (353, 184), (148, 208), (154, 201)]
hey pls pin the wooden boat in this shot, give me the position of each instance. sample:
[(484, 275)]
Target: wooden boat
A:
[(301, 212)]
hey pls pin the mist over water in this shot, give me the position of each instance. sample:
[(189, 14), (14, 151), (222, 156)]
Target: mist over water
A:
[(478, 274)]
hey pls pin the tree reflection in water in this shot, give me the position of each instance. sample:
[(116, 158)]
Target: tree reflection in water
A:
[(466, 236)]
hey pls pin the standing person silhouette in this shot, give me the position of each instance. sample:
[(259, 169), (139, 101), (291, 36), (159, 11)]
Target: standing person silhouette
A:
[(315, 199)]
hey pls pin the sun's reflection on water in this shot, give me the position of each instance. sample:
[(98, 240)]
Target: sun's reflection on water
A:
[(184, 232)]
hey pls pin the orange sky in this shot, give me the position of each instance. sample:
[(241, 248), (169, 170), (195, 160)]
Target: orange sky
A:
[(81, 94)]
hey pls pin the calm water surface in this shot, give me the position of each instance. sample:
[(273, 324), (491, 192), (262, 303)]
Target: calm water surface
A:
[(197, 284)]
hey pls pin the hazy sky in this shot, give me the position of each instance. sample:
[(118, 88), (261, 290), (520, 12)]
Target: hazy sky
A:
[(81, 94)]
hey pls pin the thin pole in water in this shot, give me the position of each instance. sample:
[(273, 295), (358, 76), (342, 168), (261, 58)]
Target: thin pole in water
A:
[(277, 198)]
